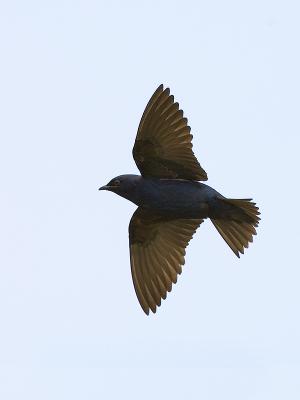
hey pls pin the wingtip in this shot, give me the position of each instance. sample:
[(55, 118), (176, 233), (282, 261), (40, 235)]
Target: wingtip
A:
[(147, 310), (158, 91), (161, 89), (148, 307)]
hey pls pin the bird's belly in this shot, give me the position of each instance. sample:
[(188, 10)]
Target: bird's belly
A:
[(181, 209), (182, 201)]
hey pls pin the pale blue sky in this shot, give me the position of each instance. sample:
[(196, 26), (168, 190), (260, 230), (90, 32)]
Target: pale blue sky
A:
[(75, 77)]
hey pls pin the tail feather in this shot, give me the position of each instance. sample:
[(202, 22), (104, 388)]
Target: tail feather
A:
[(237, 225)]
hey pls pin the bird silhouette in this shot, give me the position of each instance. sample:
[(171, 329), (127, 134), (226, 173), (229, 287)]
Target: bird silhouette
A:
[(171, 202)]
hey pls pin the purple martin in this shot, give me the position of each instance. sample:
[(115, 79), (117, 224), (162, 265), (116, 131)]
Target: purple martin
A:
[(171, 201)]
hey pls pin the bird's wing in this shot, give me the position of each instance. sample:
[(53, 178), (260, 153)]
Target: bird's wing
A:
[(157, 250), (163, 145)]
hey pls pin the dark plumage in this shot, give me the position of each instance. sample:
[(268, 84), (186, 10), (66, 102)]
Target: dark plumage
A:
[(171, 203)]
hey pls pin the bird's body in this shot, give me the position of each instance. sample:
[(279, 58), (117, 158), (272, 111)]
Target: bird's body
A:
[(171, 197), (171, 202)]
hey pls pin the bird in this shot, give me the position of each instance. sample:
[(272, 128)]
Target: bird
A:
[(172, 201)]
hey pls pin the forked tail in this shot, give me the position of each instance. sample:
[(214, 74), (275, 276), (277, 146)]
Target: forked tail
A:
[(236, 223)]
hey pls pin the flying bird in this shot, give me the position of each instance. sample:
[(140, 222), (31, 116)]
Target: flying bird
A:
[(171, 201)]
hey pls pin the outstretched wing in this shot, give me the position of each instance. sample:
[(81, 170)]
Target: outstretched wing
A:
[(157, 250), (163, 145)]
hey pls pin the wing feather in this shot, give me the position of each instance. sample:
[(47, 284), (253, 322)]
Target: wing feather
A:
[(157, 250), (163, 145)]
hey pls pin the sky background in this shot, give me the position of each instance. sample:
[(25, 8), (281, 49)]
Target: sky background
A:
[(75, 77)]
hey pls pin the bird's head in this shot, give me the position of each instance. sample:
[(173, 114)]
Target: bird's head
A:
[(124, 186)]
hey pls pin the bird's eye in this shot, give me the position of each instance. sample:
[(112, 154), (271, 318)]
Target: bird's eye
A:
[(116, 182)]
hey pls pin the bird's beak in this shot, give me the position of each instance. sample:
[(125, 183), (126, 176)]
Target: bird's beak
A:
[(105, 187)]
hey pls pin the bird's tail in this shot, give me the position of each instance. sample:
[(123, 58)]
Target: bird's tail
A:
[(236, 223)]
